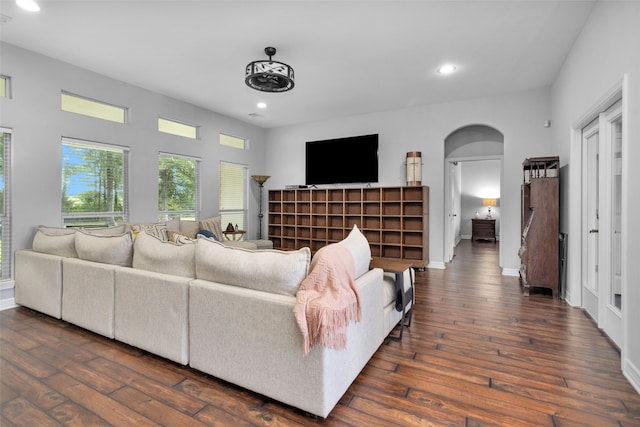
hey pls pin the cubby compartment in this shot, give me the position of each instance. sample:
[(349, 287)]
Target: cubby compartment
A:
[(391, 237), (412, 209), (353, 208), (352, 195), (391, 223), (371, 209), (392, 194)]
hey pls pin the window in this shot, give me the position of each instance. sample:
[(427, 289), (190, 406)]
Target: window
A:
[(5, 87), (178, 187), (92, 108), (233, 195), (177, 128), (94, 184), (232, 141), (5, 204)]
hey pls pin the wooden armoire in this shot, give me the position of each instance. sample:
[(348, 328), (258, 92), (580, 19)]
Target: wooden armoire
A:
[(540, 217)]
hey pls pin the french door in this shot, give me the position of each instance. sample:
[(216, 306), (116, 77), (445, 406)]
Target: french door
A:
[(602, 221)]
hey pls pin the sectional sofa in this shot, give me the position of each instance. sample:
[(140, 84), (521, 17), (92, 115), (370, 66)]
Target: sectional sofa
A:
[(222, 309)]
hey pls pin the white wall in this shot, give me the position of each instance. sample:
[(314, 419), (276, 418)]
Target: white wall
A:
[(518, 116), (34, 115), (605, 51)]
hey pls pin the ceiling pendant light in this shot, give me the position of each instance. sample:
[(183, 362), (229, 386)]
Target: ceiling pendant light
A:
[(269, 75)]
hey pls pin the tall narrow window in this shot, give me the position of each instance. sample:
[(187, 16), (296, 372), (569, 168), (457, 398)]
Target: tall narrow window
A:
[(178, 187), (92, 108), (233, 184), (94, 184), (5, 204), (233, 141)]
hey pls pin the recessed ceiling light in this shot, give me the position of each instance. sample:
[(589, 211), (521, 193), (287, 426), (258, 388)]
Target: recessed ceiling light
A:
[(29, 5), (261, 105), (446, 69)]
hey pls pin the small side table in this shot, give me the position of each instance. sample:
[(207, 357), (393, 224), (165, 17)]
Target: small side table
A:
[(398, 267), (235, 235)]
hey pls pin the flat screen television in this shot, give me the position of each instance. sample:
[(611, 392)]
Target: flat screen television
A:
[(342, 160)]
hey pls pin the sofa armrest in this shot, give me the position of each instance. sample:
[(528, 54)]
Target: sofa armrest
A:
[(38, 281)]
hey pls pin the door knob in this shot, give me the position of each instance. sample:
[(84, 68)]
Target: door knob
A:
[(594, 230)]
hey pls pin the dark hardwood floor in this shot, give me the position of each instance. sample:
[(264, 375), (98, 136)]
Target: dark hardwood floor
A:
[(477, 354)]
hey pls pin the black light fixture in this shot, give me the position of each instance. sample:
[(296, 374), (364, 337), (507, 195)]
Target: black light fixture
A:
[(269, 75)]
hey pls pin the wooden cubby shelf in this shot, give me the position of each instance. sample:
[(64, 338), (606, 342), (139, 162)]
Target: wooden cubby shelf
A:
[(395, 220)]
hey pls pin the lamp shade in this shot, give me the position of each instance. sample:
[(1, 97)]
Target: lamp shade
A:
[(260, 179), (488, 202)]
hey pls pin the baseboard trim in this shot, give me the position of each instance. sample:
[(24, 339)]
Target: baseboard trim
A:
[(632, 373), (438, 265), (6, 304), (511, 272)]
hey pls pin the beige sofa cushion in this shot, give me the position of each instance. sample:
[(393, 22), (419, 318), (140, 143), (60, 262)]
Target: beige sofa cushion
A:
[(152, 254), (55, 241), (107, 231), (359, 247), (278, 272), (117, 250)]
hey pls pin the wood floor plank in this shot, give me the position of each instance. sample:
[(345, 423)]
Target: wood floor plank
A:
[(478, 353), (21, 412), (28, 387), (70, 414), (103, 406)]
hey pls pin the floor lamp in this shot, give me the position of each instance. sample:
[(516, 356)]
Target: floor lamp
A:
[(260, 179)]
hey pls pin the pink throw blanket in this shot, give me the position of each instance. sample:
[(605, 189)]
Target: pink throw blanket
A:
[(328, 299)]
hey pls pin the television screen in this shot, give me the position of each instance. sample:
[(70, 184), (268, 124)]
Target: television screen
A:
[(343, 160)]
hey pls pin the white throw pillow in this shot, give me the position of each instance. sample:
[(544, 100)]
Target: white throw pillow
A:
[(151, 254), (107, 231), (55, 241), (116, 250), (359, 247), (277, 272)]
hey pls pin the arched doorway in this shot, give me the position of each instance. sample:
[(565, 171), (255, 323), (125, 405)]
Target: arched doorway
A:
[(473, 179)]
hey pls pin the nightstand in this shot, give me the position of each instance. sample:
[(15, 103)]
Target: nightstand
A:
[(483, 229)]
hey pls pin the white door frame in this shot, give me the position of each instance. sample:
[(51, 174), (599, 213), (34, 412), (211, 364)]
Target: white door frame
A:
[(575, 228), (448, 240)]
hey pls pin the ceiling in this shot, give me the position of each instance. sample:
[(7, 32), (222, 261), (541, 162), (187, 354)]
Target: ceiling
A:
[(350, 57)]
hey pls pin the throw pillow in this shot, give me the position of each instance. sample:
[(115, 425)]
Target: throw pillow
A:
[(116, 250), (156, 229), (213, 225), (164, 257), (277, 272), (189, 227), (180, 238), (107, 231), (55, 241), (359, 247), (207, 233)]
